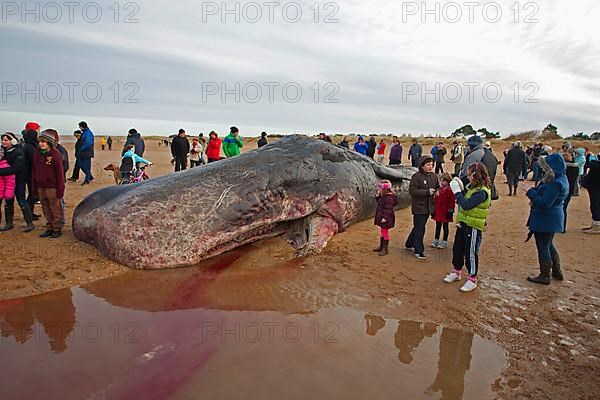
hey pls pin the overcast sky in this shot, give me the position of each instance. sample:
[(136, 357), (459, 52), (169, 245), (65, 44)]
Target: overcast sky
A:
[(364, 70)]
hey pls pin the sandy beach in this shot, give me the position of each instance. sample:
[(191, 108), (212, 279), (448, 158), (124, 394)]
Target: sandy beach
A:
[(550, 333)]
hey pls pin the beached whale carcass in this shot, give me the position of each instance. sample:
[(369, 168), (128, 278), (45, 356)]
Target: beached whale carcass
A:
[(305, 189)]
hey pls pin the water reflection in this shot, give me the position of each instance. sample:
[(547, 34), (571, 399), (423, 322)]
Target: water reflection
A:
[(221, 334), (52, 316)]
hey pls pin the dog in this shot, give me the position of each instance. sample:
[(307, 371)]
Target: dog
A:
[(116, 172)]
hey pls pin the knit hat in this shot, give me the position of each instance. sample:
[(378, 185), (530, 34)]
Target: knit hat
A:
[(12, 137), (234, 129), (474, 140), (50, 135), (132, 131), (32, 126)]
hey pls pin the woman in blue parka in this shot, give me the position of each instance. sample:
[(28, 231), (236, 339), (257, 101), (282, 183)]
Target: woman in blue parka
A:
[(547, 216)]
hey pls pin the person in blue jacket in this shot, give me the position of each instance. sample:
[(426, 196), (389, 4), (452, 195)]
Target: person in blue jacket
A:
[(130, 161), (546, 217), (86, 152), (360, 146)]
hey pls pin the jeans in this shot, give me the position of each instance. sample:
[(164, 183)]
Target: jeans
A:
[(415, 162), (86, 167), (545, 248), (415, 239)]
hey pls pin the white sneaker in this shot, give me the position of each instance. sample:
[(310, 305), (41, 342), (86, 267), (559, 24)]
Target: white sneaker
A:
[(442, 244), (468, 286), (421, 256), (452, 277), (435, 243)]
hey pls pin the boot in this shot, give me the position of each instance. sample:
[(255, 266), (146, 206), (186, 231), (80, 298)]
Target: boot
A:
[(544, 276), (28, 217), (556, 272), (510, 190), (9, 213), (595, 228), (380, 245), (384, 248)]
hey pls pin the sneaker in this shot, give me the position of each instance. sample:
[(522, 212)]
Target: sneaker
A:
[(468, 286), (452, 277), (443, 244), (421, 256), (411, 249), (435, 243)]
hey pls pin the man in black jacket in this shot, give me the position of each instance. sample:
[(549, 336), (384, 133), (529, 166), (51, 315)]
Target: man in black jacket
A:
[(13, 154), (514, 164), (179, 150)]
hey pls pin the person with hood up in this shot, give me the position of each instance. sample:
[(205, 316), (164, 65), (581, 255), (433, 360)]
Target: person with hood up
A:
[(415, 152), (360, 146), (135, 138), (474, 155), (514, 163), (591, 182), (371, 146), (213, 148), (232, 143), (422, 188), (546, 216), (86, 153)]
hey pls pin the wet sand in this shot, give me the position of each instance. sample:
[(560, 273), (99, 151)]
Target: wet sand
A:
[(550, 333)]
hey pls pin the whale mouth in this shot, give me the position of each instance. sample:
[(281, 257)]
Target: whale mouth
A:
[(247, 237)]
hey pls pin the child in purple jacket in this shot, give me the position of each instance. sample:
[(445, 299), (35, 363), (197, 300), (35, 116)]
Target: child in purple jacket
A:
[(385, 217)]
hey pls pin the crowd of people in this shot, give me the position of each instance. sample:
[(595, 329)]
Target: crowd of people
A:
[(33, 169), (556, 175)]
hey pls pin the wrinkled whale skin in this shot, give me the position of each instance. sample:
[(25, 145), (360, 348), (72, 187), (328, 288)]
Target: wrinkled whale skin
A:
[(303, 188)]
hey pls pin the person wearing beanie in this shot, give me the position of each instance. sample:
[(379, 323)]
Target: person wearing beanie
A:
[(48, 179), (7, 183), (86, 153), (263, 140), (422, 188), (135, 138), (232, 143), (15, 158)]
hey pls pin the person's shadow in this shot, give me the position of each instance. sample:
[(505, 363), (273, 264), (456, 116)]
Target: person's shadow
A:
[(408, 338)]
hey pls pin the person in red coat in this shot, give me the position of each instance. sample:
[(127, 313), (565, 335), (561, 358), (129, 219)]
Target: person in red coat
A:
[(48, 182), (385, 217), (213, 149), (444, 210)]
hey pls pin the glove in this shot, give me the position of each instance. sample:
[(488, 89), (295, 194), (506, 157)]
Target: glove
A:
[(456, 185)]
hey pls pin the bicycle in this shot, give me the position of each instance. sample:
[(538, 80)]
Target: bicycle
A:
[(136, 176)]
